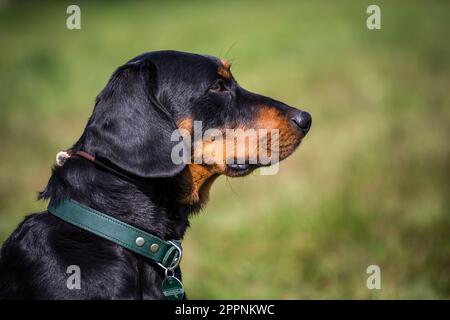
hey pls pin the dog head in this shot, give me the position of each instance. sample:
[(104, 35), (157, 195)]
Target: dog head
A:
[(155, 94)]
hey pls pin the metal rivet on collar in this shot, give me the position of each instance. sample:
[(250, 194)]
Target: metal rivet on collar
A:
[(140, 241), (154, 247)]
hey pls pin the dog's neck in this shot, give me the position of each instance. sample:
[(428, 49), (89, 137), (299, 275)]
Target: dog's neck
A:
[(149, 205)]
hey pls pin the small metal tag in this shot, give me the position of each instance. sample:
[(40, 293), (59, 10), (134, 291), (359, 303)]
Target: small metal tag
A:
[(172, 288)]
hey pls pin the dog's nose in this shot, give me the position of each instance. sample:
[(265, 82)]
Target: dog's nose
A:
[(303, 121)]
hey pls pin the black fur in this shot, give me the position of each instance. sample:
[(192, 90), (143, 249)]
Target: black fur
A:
[(130, 129)]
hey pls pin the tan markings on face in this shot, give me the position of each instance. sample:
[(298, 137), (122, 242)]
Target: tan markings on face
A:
[(239, 143), (186, 124), (242, 143), (197, 178), (224, 69), (289, 137), (230, 144)]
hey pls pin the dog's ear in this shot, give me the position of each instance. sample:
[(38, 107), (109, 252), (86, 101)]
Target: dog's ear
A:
[(129, 127)]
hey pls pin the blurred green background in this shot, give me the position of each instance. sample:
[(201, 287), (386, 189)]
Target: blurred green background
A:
[(369, 185)]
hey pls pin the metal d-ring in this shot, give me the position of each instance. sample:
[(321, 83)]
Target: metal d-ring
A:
[(169, 272), (175, 262)]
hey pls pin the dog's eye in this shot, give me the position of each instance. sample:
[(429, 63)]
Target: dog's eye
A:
[(218, 86)]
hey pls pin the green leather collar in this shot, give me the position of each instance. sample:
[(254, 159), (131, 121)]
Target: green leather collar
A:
[(166, 253)]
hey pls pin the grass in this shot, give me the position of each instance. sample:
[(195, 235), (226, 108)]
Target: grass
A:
[(369, 185)]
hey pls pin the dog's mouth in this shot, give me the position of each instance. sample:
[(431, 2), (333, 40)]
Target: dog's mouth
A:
[(239, 170)]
